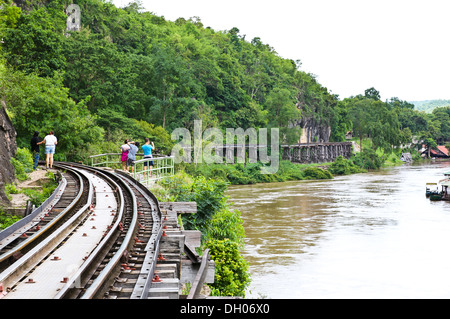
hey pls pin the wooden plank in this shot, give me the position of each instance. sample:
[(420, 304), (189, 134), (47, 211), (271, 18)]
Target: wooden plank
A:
[(200, 277), (193, 237), (191, 253), (189, 271), (179, 207)]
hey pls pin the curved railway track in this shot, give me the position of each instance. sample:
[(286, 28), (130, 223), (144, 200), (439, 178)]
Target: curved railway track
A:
[(26, 234), (97, 237)]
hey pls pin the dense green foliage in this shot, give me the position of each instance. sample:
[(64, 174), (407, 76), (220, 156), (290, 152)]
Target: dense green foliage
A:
[(233, 277), (221, 227), (7, 220), (342, 166), (125, 65), (131, 74), (389, 124), (428, 106), (250, 173), (209, 195), (23, 164)]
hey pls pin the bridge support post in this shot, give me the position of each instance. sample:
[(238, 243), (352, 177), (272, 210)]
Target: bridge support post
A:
[(316, 152)]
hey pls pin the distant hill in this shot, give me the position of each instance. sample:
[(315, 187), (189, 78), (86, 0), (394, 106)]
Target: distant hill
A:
[(428, 105)]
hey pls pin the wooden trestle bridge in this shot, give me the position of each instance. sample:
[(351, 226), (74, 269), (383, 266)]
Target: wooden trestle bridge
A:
[(316, 152)]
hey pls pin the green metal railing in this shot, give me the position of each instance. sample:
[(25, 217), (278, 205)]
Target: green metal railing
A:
[(163, 166)]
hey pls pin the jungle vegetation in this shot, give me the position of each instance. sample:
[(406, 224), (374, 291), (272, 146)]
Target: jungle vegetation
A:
[(129, 73)]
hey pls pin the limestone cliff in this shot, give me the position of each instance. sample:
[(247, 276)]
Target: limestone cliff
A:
[(8, 149), (314, 131)]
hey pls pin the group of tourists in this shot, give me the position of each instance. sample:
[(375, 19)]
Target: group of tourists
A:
[(129, 150), (50, 141)]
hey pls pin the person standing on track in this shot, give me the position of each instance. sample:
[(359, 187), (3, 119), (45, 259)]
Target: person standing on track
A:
[(125, 148), (134, 148), (147, 148), (50, 145)]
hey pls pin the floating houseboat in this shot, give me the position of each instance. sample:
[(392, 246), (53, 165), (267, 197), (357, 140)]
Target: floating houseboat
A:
[(434, 193), (445, 189), (431, 189)]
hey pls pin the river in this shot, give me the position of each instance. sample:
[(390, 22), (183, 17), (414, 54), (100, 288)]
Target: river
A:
[(371, 235)]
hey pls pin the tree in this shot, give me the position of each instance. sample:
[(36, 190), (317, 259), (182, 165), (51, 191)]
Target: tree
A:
[(372, 94), (33, 41), (340, 123), (359, 110), (395, 102), (96, 68), (282, 112), (42, 104), (442, 115), (429, 143)]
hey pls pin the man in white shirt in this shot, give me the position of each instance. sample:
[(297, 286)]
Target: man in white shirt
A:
[(50, 145)]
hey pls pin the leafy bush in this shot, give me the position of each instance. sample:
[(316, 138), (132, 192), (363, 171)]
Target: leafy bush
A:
[(316, 173), (226, 224), (209, 194), (23, 163), (290, 171), (210, 198), (222, 229), (232, 276), (7, 220), (342, 166), (369, 160), (11, 189)]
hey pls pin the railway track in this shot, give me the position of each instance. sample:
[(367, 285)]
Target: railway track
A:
[(97, 237), (32, 229)]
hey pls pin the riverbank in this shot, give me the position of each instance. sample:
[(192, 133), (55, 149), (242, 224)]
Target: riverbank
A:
[(250, 173)]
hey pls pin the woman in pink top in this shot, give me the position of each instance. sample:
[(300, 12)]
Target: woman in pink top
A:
[(124, 148)]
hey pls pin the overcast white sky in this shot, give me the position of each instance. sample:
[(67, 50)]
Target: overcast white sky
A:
[(400, 47)]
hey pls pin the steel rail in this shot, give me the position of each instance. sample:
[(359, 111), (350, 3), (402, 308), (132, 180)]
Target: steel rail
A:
[(123, 185), (96, 287), (104, 275), (77, 278), (49, 225), (151, 272), (141, 291), (29, 260)]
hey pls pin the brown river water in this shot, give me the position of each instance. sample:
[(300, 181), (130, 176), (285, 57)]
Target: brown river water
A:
[(371, 235)]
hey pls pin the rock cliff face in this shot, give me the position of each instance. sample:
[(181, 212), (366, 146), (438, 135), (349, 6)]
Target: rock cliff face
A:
[(313, 131), (8, 149)]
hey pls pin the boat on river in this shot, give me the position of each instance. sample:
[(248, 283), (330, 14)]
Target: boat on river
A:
[(435, 197), (445, 189), (431, 189), (434, 193)]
